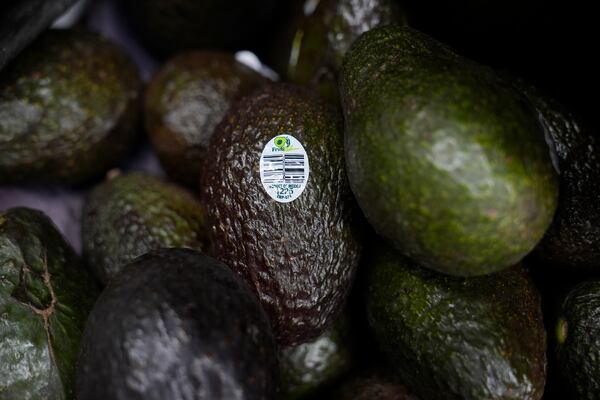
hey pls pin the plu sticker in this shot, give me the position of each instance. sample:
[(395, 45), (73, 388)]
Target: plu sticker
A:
[(284, 168)]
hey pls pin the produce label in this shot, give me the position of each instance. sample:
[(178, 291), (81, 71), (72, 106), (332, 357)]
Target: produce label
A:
[(284, 168)]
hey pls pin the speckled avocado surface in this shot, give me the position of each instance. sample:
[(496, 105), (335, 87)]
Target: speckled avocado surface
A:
[(310, 366), (184, 103), (300, 256), (127, 216), (177, 325), (68, 107), (445, 159), (326, 30), (458, 338), (45, 297), (578, 337)]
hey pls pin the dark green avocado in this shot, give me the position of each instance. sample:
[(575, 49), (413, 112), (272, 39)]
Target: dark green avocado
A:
[(172, 26), (177, 325), (45, 297), (310, 366), (458, 338), (127, 216), (300, 256), (68, 108), (447, 160), (578, 338), (185, 102), (573, 239), (326, 30), (373, 386)]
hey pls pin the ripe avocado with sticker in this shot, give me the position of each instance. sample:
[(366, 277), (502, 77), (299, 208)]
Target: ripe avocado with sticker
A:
[(446, 159), (68, 109), (46, 294), (292, 237)]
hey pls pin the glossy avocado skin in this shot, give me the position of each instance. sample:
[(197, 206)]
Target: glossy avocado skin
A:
[(573, 239), (177, 324), (454, 169), (438, 331), (301, 256), (325, 34), (578, 339), (172, 26), (45, 297), (68, 108), (310, 366), (371, 386), (185, 102), (129, 215)]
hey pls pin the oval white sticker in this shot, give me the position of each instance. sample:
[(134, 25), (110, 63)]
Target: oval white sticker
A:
[(284, 168)]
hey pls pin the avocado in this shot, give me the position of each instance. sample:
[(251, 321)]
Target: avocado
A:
[(446, 159), (573, 239), (310, 366), (173, 26), (68, 108), (373, 385), (129, 215), (184, 103), (325, 32), (578, 338), (280, 210), (22, 21), (458, 338), (177, 324), (45, 297)]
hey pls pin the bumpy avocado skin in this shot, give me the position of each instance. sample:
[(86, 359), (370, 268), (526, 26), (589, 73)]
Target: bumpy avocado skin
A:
[(45, 297), (458, 338), (68, 109), (129, 215), (573, 239), (578, 339), (325, 34), (300, 257), (177, 324), (185, 102), (371, 386), (172, 26), (310, 366), (445, 159)]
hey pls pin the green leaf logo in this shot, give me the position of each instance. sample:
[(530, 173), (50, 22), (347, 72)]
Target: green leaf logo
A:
[(283, 142)]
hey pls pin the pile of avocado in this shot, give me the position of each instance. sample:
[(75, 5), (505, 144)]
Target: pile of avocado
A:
[(386, 220)]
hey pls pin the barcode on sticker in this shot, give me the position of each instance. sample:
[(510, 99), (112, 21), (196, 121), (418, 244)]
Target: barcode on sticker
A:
[(284, 168)]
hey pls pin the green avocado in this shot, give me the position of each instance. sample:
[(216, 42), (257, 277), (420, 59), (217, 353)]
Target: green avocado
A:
[(185, 102), (373, 386), (446, 160), (578, 339), (129, 215), (573, 239), (325, 32), (45, 297), (177, 325), (298, 245), (68, 109), (310, 366), (458, 338), (172, 26)]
